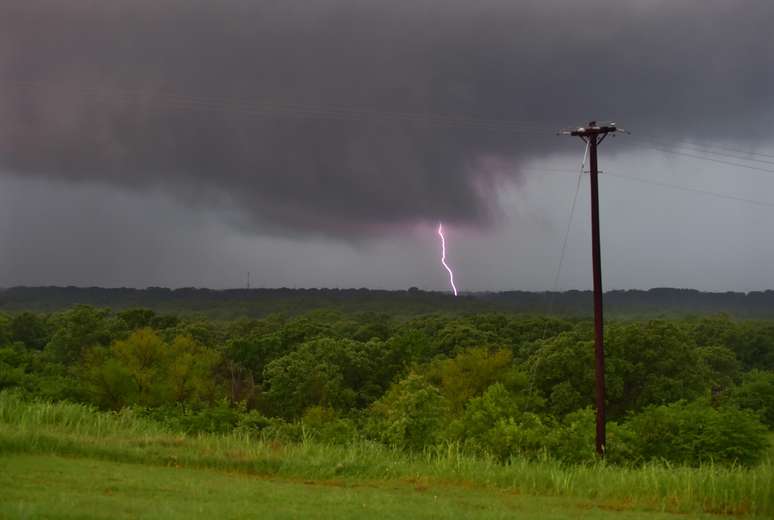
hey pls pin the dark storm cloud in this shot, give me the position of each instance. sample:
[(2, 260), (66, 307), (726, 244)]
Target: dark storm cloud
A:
[(302, 113)]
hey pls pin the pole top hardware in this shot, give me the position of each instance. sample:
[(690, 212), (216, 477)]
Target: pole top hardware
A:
[(594, 128)]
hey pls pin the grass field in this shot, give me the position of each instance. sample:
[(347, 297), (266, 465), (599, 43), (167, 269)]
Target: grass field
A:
[(52, 486), (68, 461)]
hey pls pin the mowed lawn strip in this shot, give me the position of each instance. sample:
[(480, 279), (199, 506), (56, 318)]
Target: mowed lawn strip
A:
[(50, 486)]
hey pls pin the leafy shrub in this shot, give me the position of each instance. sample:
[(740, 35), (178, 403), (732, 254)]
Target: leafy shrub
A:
[(252, 423), (220, 417), (695, 433), (471, 372), (30, 372), (574, 440), (496, 423), (756, 393), (324, 424), (341, 374), (411, 415), (722, 367), (12, 367), (145, 370)]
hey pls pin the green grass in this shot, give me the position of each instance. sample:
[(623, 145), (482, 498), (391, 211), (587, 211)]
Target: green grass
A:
[(33, 486), (38, 435)]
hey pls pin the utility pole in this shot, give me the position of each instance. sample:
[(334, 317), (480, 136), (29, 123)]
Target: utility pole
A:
[(593, 134)]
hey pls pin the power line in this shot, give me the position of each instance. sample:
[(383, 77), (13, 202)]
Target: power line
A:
[(269, 107), (708, 146), (706, 151), (564, 242), (693, 190), (710, 159)]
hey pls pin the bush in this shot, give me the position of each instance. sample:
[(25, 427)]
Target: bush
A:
[(323, 424), (217, 418), (252, 423), (573, 440), (756, 393), (497, 424), (411, 415), (695, 433)]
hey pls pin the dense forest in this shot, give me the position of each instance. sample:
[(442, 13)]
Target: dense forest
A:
[(685, 390), (257, 303)]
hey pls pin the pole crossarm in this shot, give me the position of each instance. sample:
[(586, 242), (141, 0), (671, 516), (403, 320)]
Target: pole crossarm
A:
[(597, 131), (594, 129)]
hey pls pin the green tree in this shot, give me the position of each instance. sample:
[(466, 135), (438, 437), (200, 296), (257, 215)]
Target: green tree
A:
[(14, 360), (498, 423), (471, 372), (411, 415), (695, 433), (79, 328), (756, 393), (457, 336), (754, 345), (524, 333), (338, 373), (647, 363), (256, 351), (189, 370), (410, 345), (143, 369), (30, 329), (562, 372), (110, 383), (5, 329), (144, 356), (714, 330), (304, 328), (721, 366), (137, 318), (654, 362)]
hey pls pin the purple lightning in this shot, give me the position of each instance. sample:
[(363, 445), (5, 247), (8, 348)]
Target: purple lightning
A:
[(443, 258)]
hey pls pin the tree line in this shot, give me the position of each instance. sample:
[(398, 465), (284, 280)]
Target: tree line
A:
[(687, 390), (256, 303)]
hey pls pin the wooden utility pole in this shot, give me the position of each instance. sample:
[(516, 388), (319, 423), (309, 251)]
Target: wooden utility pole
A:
[(593, 134)]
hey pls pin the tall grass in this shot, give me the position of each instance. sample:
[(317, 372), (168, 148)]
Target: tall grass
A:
[(73, 418), (79, 430)]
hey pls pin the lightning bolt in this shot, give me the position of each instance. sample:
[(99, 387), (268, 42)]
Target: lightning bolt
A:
[(443, 258)]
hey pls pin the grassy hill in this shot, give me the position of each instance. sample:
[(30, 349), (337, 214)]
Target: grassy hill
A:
[(51, 486), (68, 461)]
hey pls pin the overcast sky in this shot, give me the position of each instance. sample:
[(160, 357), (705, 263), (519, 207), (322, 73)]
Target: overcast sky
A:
[(319, 143)]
